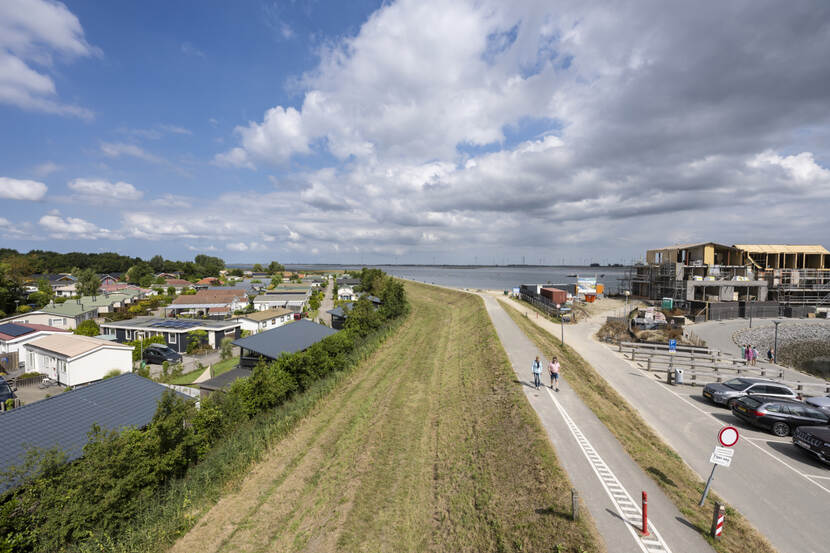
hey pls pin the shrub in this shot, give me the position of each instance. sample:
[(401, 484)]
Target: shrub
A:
[(226, 348), (110, 374), (88, 328)]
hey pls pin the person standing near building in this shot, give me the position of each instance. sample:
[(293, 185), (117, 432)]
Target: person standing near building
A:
[(554, 372), (754, 356), (536, 368)]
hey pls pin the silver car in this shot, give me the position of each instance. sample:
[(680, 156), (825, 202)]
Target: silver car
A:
[(725, 393)]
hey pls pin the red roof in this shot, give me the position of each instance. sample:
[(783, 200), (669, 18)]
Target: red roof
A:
[(177, 282), (208, 280), (34, 327)]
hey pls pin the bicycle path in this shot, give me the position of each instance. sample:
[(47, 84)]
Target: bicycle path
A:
[(608, 481)]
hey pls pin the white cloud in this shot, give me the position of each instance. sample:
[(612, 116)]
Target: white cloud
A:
[(31, 32), (74, 228), (202, 249), (99, 190), (174, 129), (189, 49), (173, 200), (279, 136), (237, 247), (45, 169), (19, 189), (119, 149)]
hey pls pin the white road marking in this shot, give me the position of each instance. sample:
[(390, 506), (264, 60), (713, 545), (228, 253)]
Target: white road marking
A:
[(626, 507), (749, 440)]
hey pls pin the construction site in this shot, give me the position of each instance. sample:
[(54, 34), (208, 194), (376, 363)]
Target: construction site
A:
[(711, 281)]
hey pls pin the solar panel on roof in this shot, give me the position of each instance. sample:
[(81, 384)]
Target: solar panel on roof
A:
[(14, 330)]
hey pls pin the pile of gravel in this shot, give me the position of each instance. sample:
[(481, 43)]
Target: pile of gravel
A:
[(789, 332)]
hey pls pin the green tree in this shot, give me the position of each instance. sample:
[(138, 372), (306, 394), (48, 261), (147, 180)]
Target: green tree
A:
[(171, 291), (88, 328), (226, 348), (275, 267), (157, 263), (257, 268), (138, 271), (159, 280), (208, 265), (44, 287), (88, 282), (146, 281), (11, 288), (38, 298)]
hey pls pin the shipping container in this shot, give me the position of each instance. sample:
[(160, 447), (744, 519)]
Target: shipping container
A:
[(555, 295), (600, 289)]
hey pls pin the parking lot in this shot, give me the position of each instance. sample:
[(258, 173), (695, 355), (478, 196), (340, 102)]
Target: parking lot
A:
[(772, 482)]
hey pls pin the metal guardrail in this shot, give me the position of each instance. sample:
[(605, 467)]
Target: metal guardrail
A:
[(663, 347)]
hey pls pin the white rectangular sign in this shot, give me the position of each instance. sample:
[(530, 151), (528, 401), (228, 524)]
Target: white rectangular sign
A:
[(722, 456)]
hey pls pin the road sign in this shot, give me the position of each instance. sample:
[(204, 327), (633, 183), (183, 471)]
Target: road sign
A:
[(672, 345), (728, 436), (722, 456)]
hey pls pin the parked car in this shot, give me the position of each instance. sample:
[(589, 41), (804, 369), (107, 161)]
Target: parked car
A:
[(157, 353), (779, 416), (815, 439), (725, 393), (6, 391), (819, 402)]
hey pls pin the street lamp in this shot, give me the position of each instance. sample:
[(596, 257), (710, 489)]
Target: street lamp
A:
[(775, 347), (626, 293)]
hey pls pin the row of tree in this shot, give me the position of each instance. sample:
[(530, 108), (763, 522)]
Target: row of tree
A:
[(102, 494)]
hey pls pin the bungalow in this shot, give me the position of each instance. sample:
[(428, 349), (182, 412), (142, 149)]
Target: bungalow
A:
[(264, 320), (269, 345), (61, 315), (178, 283), (66, 290), (293, 301), (344, 281), (222, 383), (339, 315), (165, 276), (13, 336), (71, 359), (217, 303), (176, 332), (109, 278), (63, 421), (346, 293), (209, 281)]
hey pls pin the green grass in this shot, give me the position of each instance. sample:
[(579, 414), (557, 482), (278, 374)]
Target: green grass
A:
[(655, 457), (187, 379), (428, 446)]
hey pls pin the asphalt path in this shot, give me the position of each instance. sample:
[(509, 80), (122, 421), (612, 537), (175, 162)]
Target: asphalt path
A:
[(608, 481), (783, 491)]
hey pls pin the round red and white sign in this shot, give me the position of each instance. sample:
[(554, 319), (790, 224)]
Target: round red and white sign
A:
[(728, 436)]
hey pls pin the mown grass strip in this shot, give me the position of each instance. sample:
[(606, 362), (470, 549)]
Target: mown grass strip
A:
[(173, 513), (654, 456)]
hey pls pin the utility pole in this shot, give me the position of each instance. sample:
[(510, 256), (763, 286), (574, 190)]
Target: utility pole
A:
[(775, 347)]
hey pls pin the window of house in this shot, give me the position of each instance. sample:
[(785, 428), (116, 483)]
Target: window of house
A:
[(172, 337), (55, 322), (129, 334)]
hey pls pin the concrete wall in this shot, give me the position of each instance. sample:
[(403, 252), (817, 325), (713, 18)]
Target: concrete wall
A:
[(95, 365)]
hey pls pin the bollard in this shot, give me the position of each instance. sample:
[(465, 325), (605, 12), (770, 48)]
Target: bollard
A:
[(574, 504), (649, 364), (645, 514), (717, 520)]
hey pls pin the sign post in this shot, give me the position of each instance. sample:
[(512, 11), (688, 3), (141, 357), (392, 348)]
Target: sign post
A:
[(722, 455)]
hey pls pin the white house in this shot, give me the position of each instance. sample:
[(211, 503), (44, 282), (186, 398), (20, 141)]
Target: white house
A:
[(346, 293), (265, 320), (293, 301), (13, 336), (71, 359)]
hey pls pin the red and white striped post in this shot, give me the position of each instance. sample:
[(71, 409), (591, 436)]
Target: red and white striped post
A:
[(645, 514), (717, 520)]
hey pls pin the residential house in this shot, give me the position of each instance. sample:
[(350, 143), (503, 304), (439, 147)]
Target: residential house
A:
[(178, 283), (346, 293), (293, 301), (269, 345), (215, 303), (165, 276), (66, 290), (345, 281), (73, 312), (222, 383), (339, 315), (63, 420), (176, 332), (265, 320), (72, 360), (109, 278), (13, 336), (209, 281)]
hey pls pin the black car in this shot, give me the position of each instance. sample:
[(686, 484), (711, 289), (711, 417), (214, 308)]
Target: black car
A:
[(819, 402), (5, 390), (159, 354), (815, 439), (779, 416)]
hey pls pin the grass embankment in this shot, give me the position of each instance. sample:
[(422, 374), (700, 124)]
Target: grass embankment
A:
[(662, 463), (187, 379), (428, 446)]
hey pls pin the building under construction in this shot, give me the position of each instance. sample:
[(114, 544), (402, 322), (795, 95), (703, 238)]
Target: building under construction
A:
[(715, 281)]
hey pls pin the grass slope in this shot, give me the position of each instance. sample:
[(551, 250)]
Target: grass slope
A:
[(661, 462), (428, 446)]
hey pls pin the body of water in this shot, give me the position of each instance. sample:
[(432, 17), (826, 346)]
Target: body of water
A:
[(490, 278)]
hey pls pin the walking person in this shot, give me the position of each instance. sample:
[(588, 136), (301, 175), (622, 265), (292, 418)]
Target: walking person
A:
[(554, 372), (536, 368), (754, 356)]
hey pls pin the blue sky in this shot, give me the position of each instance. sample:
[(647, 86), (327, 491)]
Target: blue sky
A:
[(410, 131)]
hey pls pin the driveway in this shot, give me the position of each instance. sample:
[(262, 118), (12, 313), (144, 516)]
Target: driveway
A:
[(326, 305)]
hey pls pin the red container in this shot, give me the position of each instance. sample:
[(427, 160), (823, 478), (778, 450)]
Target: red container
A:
[(555, 295)]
